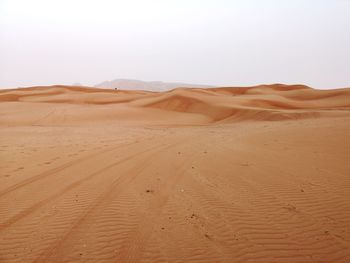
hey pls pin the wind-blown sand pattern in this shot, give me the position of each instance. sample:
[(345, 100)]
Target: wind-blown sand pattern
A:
[(256, 174)]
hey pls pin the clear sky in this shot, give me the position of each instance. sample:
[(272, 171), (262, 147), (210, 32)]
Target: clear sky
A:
[(218, 42)]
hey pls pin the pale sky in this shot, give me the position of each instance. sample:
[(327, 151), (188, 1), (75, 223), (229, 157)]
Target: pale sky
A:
[(217, 42)]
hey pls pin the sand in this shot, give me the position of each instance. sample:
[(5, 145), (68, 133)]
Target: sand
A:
[(256, 174)]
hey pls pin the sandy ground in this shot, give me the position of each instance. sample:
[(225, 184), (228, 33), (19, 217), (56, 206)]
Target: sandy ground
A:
[(223, 175)]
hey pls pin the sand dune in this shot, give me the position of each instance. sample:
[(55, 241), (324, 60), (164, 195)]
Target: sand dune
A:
[(273, 102), (258, 174)]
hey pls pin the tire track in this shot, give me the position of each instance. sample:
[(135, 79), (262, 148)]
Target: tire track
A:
[(132, 249), (60, 168), (36, 206), (121, 183)]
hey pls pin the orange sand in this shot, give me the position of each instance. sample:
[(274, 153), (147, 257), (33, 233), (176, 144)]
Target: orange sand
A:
[(256, 174)]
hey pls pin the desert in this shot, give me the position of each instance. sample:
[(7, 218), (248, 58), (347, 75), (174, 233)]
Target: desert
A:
[(232, 174)]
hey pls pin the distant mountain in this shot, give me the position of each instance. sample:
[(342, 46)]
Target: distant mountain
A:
[(131, 84)]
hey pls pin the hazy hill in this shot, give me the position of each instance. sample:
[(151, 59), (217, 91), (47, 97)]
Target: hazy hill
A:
[(131, 84)]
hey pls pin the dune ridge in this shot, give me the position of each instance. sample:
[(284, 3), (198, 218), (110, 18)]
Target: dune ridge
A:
[(204, 105)]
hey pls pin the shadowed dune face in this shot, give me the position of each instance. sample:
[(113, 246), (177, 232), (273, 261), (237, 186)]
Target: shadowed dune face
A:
[(178, 106), (188, 175)]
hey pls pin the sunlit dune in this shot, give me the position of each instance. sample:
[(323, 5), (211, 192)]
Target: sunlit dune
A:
[(254, 174)]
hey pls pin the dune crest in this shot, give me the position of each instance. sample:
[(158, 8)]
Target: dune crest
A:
[(202, 105)]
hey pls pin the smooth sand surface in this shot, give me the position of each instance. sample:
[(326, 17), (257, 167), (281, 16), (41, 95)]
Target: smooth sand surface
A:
[(258, 174)]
